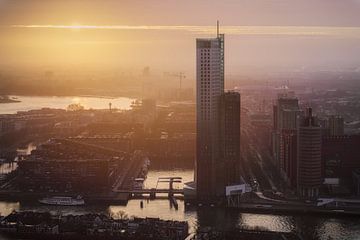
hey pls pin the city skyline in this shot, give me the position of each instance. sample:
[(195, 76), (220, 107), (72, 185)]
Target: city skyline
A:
[(143, 119)]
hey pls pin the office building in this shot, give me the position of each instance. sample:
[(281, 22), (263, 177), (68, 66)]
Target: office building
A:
[(209, 88), (287, 112), (285, 120), (340, 156), (335, 125), (229, 169), (309, 168), (288, 153)]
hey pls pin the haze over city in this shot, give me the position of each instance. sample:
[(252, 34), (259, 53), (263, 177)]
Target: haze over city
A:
[(269, 35)]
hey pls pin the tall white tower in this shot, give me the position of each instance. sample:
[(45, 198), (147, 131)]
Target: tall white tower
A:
[(209, 88)]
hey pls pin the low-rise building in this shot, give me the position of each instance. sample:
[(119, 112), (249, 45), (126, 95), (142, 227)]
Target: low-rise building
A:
[(65, 166)]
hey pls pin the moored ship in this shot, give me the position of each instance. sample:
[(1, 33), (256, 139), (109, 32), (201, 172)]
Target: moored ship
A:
[(63, 201)]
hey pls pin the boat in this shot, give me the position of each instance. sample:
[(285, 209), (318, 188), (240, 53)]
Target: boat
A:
[(63, 201)]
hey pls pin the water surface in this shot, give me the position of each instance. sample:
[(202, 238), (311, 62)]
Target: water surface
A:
[(34, 102)]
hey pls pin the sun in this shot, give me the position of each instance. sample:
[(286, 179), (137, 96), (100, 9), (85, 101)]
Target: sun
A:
[(76, 26)]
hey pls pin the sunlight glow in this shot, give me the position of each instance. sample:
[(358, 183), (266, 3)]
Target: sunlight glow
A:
[(348, 32)]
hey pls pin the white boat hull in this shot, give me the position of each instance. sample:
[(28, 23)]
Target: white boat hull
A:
[(62, 201)]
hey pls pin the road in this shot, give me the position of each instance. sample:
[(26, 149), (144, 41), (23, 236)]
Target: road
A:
[(258, 169)]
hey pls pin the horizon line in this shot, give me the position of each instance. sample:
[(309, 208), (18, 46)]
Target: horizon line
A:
[(352, 32)]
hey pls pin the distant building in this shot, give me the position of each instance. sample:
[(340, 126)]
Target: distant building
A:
[(335, 125), (177, 148), (356, 179), (230, 139), (6, 125), (286, 113), (340, 156), (288, 153), (119, 142), (309, 171)]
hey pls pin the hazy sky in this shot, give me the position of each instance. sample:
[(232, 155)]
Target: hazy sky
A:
[(161, 34)]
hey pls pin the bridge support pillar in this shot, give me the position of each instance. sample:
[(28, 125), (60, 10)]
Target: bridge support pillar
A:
[(152, 195)]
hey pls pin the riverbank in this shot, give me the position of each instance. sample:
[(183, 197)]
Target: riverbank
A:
[(256, 208)]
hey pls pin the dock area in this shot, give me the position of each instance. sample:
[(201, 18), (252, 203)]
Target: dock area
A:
[(68, 167)]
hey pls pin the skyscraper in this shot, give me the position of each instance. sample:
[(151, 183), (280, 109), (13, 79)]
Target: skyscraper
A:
[(285, 117), (309, 157), (335, 125), (209, 88), (288, 155), (229, 168)]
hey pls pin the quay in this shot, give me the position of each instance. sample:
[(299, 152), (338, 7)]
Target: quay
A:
[(287, 209), (104, 198), (120, 196), (242, 234)]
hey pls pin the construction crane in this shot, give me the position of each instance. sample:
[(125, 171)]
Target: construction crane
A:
[(180, 75)]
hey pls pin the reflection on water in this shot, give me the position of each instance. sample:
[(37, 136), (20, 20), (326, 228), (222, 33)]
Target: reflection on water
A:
[(7, 207), (29, 103), (157, 208), (27, 150), (267, 222), (153, 175), (311, 227), (337, 229), (7, 167)]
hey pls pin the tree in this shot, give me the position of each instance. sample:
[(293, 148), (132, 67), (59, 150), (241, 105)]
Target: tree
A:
[(121, 215)]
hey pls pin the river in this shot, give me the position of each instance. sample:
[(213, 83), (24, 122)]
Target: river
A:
[(311, 227), (35, 102)]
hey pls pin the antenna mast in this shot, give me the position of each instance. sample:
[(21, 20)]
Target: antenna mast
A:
[(217, 28)]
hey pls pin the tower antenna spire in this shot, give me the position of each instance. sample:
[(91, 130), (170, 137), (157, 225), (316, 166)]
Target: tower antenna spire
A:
[(217, 28)]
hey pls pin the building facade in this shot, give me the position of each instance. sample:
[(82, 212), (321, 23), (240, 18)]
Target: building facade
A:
[(65, 175), (286, 113), (209, 88), (309, 171), (230, 139), (288, 153), (64, 165), (340, 156), (335, 125)]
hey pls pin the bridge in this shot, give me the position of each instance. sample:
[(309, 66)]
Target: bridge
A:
[(153, 191)]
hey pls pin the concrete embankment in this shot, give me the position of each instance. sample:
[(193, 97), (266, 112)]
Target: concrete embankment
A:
[(285, 209)]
